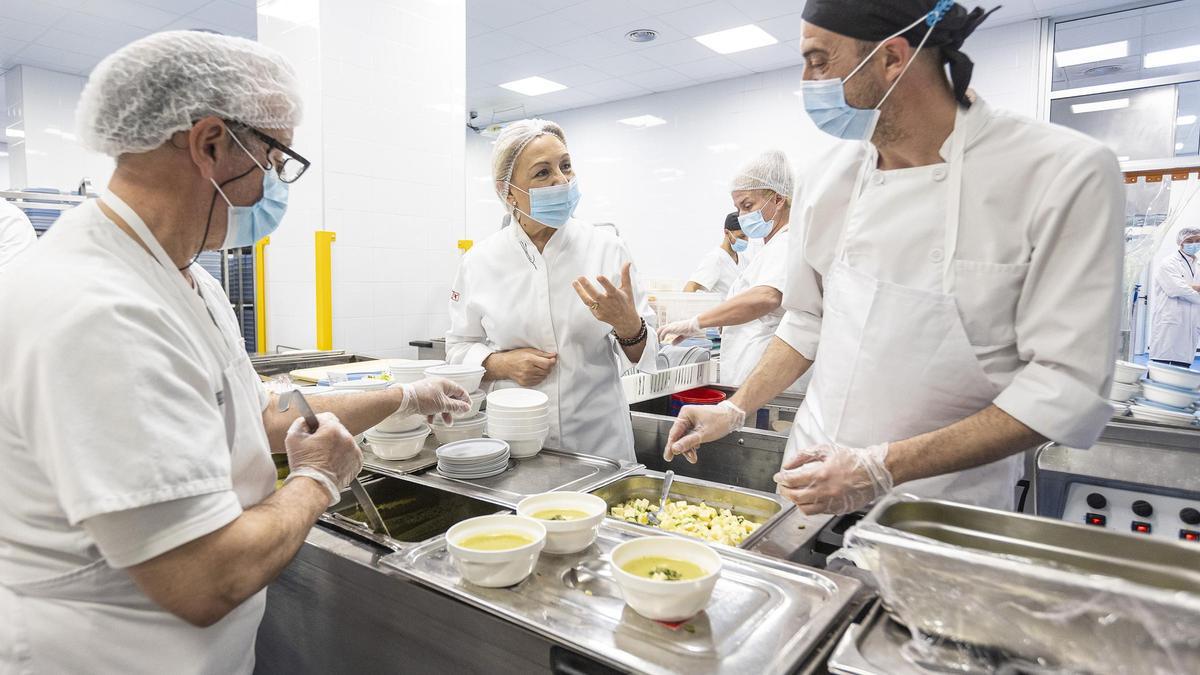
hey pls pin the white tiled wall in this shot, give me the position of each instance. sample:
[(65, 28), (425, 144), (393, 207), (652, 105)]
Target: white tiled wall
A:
[(40, 104), (385, 106), (666, 187)]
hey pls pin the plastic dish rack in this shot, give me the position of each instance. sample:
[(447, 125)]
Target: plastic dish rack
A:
[(645, 386)]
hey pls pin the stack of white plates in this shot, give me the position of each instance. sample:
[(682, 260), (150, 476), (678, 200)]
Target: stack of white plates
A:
[(1150, 411), (473, 459), (521, 417)]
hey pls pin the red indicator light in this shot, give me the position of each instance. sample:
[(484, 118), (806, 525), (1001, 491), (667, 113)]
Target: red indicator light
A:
[(1189, 535), (1137, 526), (1095, 519)]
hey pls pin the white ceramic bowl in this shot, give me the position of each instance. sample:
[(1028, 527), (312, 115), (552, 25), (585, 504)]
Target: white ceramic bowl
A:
[(521, 417), (362, 384), (1168, 395), (1124, 392), (476, 401), (518, 427), (518, 399), (524, 448), (411, 371), (516, 434), (398, 446), (666, 600), (1127, 372), (496, 569), (467, 377), (1184, 378), (566, 536), (396, 423), (461, 431)]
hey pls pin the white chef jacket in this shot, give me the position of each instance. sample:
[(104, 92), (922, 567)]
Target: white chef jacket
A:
[(16, 232), (1037, 265), (717, 271), (508, 296), (743, 346), (1175, 309), (115, 450)]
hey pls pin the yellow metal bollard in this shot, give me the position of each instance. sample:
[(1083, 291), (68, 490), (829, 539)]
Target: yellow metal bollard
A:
[(324, 279)]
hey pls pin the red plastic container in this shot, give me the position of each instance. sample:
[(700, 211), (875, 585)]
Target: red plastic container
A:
[(700, 396)]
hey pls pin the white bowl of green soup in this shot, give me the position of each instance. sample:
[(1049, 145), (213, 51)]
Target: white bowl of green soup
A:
[(496, 551), (571, 519), (666, 578)]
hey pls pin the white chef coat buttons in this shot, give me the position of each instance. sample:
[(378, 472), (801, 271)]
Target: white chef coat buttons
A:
[(877, 178), (939, 174), (936, 255)]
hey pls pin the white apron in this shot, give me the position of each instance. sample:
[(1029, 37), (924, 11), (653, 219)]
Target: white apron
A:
[(95, 619), (895, 362)]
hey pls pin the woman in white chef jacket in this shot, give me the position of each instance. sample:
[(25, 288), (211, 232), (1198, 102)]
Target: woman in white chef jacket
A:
[(762, 193), (1175, 306), (720, 267), (522, 305)]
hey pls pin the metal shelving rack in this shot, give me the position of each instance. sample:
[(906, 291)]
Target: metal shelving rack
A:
[(234, 269)]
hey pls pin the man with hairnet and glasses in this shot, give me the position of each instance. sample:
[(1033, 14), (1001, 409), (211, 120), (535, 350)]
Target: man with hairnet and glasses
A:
[(954, 281), (140, 521), (1175, 303), (762, 194)]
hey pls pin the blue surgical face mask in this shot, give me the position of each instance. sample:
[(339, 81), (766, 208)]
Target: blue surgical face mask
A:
[(755, 226), (553, 205), (246, 225), (1191, 249), (740, 245), (825, 100)]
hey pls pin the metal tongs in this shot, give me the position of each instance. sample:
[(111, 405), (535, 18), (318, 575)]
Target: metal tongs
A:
[(286, 399), (653, 516)]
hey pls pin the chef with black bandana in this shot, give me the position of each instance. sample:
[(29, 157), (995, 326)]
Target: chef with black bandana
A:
[(954, 275)]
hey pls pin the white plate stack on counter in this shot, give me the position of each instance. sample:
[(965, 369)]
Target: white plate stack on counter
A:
[(1170, 395), (473, 459), (1125, 386), (521, 417)]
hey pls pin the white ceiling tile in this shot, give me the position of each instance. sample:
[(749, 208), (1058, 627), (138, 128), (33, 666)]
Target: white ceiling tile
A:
[(84, 24), (711, 68), (588, 49), (475, 28), (664, 6), (602, 15), (65, 4), (95, 44), (537, 62), (624, 64), (501, 13), (174, 6), (706, 18), (495, 46), (758, 10), (614, 89), (233, 16), (661, 79), (767, 58), (19, 30), (548, 29), (577, 75), (786, 27), (673, 53), (132, 13), (60, 60), (31, 11), (616, 35)]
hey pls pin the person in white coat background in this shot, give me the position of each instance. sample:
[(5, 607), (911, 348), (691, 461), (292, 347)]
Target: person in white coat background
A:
[(523, 306), (140, 523), (16, 233), (762, 193), (720, 267), (954, 281), (1175, 303)]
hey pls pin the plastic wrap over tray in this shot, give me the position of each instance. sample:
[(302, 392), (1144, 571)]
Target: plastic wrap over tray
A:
[(1070, 598)]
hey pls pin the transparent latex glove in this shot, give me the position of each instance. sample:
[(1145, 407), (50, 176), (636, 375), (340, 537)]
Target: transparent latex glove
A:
[(432, 396), (680, 330), (330, 456), (835, 479), (701, 424)]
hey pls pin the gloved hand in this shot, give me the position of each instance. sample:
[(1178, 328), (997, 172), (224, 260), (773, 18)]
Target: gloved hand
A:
[(434, 395), (835, 479), (330, 456), (681, 330), (701, 424)]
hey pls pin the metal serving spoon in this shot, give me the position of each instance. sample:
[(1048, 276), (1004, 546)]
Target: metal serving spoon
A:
[(652, 516)]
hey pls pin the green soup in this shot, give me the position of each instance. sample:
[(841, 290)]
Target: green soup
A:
[(500, 541), (663, 569), (560, 514)]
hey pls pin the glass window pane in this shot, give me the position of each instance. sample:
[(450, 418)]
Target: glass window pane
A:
[(1136, 124), (1124, 46)]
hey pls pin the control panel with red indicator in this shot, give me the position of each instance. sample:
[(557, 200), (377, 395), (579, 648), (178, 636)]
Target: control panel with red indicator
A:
[(1142, 513), (1095, 519), (1189, 535), (1139, 526)]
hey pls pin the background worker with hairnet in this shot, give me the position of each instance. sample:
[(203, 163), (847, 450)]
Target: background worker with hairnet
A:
[(720, 267), (551, 303), (762, 194), (1175, 303), (140, 524)]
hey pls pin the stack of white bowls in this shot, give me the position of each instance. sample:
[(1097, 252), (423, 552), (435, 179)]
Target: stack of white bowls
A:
[(467, 377), (1171, 396), (521, 417), (397, 445), (1125, 386), (461, 430), (411, 371)]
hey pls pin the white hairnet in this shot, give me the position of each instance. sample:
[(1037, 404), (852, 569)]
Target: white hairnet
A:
[(512, 142), (1186, 233), (768, 171), (151, 88)]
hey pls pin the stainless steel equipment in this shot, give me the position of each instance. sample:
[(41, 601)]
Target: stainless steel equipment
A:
[(747, 458), (760, 507), (1137, 478), (267, 365), (1066, 595), (431, 349), (764, 616)]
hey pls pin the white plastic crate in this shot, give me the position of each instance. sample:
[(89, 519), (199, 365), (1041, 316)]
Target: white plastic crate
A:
[(645, 386)]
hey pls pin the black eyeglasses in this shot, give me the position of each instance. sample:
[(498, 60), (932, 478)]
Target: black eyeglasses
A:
[(293, 165)]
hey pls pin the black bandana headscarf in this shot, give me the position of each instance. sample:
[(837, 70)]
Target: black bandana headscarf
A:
[(875, 20)]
